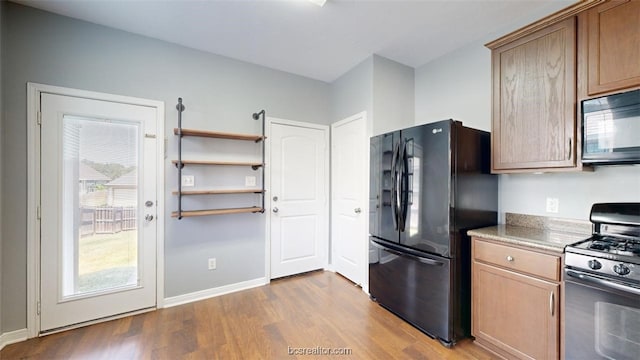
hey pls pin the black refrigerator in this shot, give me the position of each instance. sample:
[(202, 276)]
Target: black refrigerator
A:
[(430, 184)]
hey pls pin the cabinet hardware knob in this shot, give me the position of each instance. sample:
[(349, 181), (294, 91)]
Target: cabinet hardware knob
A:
[(509, 258), (357, 210)]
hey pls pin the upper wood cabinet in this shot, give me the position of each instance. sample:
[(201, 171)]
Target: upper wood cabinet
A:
[(609, 46), (534, 100)]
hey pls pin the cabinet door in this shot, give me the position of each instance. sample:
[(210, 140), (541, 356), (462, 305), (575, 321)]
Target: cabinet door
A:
[(534, 97), (518, 314), (613, 41)]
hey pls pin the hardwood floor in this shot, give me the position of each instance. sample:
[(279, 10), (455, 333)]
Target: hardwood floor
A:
[(318, 310)]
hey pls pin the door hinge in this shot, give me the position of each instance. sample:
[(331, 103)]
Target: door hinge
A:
[(38, 212), (39, 118), (38, 308)]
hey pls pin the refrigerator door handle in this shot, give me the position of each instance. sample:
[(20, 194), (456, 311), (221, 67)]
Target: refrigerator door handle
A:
[(421, 259), (394, 186), (404, 186)]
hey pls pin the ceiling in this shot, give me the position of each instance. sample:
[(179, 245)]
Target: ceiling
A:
[(300, 37)]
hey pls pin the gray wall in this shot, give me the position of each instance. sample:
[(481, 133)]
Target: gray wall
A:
[(393, 95), (352, 92), (381, 87), (219, 93), (459, 85)]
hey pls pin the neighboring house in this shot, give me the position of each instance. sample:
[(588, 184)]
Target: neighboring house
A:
[(91, 186), (90, 179), (123, 191)]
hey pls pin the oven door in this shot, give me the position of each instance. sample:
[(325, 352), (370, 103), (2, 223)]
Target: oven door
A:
[(602, 318)]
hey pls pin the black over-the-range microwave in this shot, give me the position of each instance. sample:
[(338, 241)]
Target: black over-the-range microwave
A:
[(611, 129)]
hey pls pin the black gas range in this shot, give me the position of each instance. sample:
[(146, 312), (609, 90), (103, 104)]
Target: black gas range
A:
[(614, 248), (602, 286)]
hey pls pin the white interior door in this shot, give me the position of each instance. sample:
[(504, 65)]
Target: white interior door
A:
[(98, 209), (299, 210), (349, 199)]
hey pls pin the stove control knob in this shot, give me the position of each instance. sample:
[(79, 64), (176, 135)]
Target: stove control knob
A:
[(595, 264), (621, 269)]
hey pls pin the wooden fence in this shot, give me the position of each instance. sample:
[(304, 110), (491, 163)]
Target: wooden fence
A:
[(107, 220)]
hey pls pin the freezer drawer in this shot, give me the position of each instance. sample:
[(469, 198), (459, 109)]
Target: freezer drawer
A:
[(414, 286)]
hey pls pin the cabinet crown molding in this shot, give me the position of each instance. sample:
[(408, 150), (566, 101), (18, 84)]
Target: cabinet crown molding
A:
[(560, 15)]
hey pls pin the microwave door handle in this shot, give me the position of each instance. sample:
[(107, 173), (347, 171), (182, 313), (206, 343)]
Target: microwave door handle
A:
[(600, 282)]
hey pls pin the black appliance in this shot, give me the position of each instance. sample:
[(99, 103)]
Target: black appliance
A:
[(430, 183), (610, 128), (602, 287)]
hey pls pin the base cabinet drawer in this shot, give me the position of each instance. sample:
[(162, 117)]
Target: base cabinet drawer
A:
[(525, 261)]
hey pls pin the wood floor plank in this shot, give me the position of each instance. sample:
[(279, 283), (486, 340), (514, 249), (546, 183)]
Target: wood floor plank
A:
[(317, 311)]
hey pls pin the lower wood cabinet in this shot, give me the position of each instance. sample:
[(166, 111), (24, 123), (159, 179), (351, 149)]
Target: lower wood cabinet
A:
[(515, 303)]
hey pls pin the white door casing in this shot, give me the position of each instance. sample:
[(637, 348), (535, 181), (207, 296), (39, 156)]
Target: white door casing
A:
[(298, 196), (47, 307), (349, 197)]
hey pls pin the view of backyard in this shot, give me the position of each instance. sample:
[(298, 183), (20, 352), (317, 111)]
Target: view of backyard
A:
[(107, 260)]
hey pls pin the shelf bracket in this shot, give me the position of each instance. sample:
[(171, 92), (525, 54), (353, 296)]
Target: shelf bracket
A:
[(257, 116), (180, 107)]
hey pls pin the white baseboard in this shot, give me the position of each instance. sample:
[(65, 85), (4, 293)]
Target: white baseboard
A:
[(213, 292), (13, 337)]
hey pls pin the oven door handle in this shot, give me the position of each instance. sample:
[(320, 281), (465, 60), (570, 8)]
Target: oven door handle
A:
[(601, 282)]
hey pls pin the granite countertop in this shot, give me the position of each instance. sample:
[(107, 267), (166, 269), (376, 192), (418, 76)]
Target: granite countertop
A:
[(530, 237), (536, 232)]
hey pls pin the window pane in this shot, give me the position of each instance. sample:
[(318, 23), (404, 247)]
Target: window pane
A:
[(100, 205)]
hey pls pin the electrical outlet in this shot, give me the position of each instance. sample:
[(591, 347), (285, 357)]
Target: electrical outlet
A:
[(212, 263), (552, 205), (249, 181), (188, 180)]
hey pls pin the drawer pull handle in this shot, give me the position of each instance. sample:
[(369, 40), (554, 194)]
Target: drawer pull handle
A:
[(551, 303), (509, 258)]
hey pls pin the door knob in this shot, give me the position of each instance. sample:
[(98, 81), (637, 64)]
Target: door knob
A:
[(275, 209), (357, 210), (275, 198), (148, 203), (148, 217)]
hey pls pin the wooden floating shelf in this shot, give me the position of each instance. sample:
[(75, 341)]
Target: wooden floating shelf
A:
[(192, 213), (215, 192), (227, 163), (218, 135)]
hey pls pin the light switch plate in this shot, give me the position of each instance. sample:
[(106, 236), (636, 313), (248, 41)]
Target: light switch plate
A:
[(249, 181), (552, 205), (188, 180)]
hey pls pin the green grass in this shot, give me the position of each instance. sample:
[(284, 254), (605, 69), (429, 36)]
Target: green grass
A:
[(107, 260)]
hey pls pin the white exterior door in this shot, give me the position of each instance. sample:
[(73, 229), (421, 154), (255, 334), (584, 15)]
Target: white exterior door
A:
[(98, 208), (349, 199), (298, 197)]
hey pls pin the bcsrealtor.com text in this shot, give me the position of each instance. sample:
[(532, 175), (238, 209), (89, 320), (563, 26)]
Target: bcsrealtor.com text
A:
[(318, 350)]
